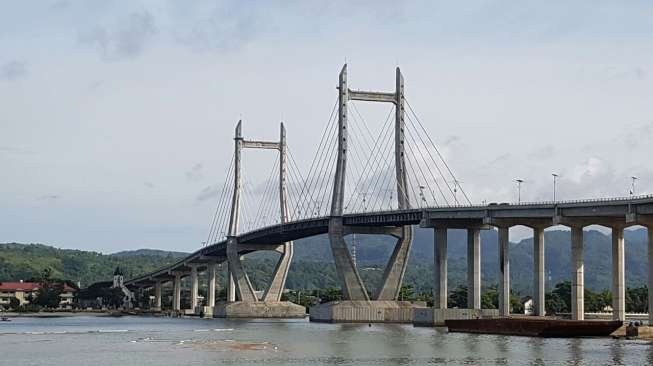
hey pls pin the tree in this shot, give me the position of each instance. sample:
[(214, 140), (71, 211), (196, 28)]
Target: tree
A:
[(554, 304), (14, 303), (490, 298), (516, 305), (114, 297), (329, 294), (637, 300), (406, 293), (559, 299), (49, 291), (596, 302), (458, 297)]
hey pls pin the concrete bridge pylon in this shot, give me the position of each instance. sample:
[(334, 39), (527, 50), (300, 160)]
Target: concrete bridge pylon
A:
[(242, 300), (356, 296)]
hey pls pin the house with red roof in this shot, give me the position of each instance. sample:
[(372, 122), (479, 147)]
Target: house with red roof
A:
[(22, 291)]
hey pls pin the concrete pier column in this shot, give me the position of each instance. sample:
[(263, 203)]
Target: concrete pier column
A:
[(213, 269), (440, 285), (176, 293), (194, 287), (618, 275), (504, 272), (650, 274), (473, 268), (157, 295), (577, 274), (231, 286), (539, 274)]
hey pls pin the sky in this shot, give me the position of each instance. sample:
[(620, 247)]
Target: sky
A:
[(117, 117)]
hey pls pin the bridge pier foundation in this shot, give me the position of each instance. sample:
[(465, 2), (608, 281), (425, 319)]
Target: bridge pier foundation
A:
[(362, 311)]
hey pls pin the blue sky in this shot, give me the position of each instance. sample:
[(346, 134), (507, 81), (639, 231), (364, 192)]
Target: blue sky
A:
[(117, 116)]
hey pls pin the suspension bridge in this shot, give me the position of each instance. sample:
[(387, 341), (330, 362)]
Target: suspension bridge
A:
[(376, 181)]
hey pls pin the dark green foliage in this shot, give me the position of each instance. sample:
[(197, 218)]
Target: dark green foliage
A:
[(596, 302), (27, 261), (559, 300), (637, 300), (48, 295), (303, 298), (28, 308), (516, 305), (490, 298), (458, 297), (328, 294), (115, 297), (14, 303), (313, 268)]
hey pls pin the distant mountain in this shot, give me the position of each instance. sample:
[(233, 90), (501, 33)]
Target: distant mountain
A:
[(149, 253), (372, 253), (26, 261), (313, 266)]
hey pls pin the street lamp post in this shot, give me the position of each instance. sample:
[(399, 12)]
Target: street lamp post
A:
[(421, 195), (519, 182), (555, 178), (632, 186)]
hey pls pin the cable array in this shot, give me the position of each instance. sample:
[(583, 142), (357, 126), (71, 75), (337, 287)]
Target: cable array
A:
[(370, 179), (219, 225)]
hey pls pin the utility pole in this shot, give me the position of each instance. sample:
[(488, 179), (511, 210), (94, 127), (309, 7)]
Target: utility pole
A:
[(555, 178)]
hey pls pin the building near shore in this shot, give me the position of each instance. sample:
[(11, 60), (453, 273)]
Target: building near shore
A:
[(26, 291)]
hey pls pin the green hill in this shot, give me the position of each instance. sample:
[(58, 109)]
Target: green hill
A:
[(313, 266), (25, 261)]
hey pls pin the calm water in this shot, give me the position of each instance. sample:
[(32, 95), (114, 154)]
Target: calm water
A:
[(164, 341)]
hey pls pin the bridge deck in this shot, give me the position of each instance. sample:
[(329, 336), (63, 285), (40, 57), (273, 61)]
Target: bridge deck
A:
[(618, 211)]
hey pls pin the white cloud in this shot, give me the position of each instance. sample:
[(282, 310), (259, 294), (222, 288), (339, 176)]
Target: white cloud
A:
[(127, 39), (496, 86)]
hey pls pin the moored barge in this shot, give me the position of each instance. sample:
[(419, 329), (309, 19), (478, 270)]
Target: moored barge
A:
[(535, 327)]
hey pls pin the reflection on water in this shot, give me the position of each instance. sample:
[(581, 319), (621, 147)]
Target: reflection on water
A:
[(575, 351), (164, 341)]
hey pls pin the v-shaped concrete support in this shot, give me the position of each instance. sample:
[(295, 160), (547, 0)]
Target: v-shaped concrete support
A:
[(352, 285), (395, 270), (278, 282), (244, 289)]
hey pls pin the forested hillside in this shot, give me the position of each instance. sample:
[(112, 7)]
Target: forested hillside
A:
[(25, 261), (313, 266)]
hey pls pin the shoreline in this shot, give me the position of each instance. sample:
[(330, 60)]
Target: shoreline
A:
[(55, 314)]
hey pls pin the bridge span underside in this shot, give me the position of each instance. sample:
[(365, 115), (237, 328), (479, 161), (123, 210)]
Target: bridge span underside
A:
[(616, 214)]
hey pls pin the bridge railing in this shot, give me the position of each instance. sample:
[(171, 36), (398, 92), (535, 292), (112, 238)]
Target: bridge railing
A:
[(586, 200)]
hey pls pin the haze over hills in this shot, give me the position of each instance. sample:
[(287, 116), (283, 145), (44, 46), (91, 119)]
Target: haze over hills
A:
[(313, 264), (149, 252)]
